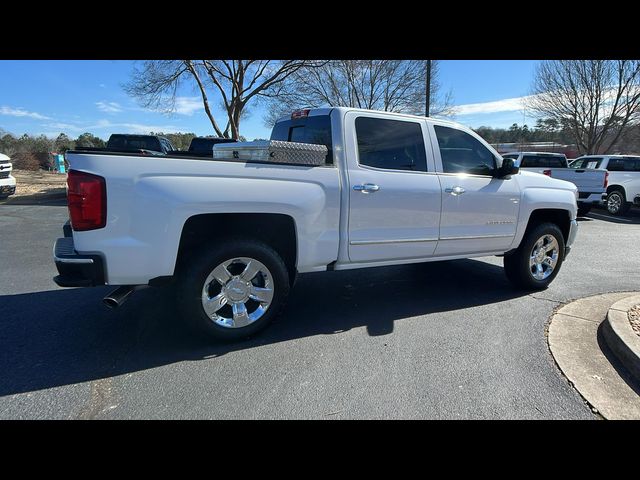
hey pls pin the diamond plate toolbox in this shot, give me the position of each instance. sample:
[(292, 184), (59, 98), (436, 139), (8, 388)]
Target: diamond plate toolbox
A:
[(272, 151)]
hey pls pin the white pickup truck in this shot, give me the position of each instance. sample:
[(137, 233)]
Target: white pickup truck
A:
[(231, 236), (591, 182), (623, 173), (7, 181)]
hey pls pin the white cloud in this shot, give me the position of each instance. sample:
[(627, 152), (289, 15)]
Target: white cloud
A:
[(102, 85), (60, 125), (106, 124), (109, 107), (188, 105), (21, 112), (504, 105)]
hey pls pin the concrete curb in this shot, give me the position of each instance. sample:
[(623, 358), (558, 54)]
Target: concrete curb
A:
[(580, 351), (620, 337)]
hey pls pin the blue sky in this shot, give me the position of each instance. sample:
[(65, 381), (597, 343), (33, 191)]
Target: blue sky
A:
[(78, 96)]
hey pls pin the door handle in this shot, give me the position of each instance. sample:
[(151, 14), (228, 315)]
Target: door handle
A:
[(455, 190), (366, 188)]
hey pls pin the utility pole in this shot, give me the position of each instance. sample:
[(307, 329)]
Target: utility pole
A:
[(428, 92)]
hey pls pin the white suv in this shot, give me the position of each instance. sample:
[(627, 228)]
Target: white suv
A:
[(7, 181), (624, 179)]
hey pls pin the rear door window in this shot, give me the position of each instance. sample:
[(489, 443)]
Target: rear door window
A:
[(579, 163), (616, 165), (390, 144), (632, 164), (591, 162)]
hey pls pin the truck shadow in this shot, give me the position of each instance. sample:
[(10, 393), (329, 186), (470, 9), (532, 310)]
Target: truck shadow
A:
[(56, 199), (66, 336), (632, 217)]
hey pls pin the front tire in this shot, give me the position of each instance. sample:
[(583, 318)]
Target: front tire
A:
[(537, 261), (233, 289)]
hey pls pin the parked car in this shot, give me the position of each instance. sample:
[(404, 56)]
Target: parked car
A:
[(623, 190), (230, 236), (143, 144), (7, 181), (203, 146), (591, 182)]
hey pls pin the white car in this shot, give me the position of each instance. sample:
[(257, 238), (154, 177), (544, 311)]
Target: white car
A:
[(591, 182), (231, 234), (7, 181), (623, 189)]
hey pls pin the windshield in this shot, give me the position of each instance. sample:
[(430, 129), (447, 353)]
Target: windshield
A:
[(586, 163), (544, 161)]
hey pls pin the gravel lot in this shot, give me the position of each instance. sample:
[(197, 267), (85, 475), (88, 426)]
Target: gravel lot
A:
[(36, 186), (437, 340)]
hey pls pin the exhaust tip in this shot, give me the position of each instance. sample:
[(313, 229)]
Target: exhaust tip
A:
[(116, 298), (110, 302)]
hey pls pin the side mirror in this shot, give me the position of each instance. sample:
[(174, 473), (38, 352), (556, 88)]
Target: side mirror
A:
[(508, 167)]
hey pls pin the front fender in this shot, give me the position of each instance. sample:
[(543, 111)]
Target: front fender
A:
[(539, 198)]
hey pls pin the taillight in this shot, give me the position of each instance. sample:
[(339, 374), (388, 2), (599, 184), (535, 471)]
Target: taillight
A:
[(87, 199), (300, 113), (547, 173), (606, 179)]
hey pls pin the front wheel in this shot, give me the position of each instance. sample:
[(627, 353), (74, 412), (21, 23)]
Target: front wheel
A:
[(233, 289), (537, 261)]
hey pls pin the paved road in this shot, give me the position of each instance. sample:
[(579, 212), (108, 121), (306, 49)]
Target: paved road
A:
[(441, 340)]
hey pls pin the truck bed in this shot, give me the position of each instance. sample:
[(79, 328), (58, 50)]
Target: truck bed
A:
[(150, 198), (588, 180)]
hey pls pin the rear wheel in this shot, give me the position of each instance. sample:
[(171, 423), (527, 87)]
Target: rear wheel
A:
[(538, 259), (617, 203), (233, 290)]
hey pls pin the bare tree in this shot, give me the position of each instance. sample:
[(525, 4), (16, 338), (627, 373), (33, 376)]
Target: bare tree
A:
[(156, 84), (597, 99), (389, 85)]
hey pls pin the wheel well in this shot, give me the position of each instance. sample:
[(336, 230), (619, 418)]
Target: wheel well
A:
[(611, 188), (560, 217), (276, 230)]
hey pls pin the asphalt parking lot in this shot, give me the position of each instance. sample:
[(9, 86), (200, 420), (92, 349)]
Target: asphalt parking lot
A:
[(438, 340)]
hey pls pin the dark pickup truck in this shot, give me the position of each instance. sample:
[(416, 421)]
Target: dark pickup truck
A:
[(138, 144), (157, 145), (152, 144), (203, 146)]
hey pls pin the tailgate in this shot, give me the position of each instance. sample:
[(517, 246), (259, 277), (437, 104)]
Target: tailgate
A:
[(586, 179)]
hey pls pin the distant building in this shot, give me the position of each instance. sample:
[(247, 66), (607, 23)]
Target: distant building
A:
[(571, 151)]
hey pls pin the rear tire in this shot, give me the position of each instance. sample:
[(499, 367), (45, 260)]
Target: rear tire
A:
[(617, 203), (242, 302), (542, 245)]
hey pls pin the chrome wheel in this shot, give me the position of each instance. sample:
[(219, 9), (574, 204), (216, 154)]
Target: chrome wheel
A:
[(614, 202), (237, 292), (544, 257)]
